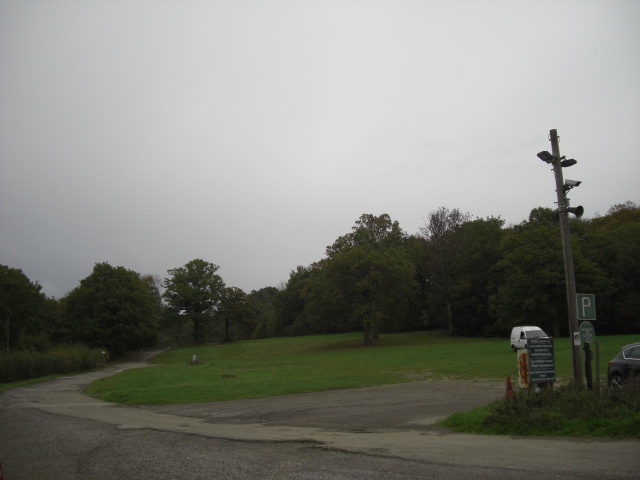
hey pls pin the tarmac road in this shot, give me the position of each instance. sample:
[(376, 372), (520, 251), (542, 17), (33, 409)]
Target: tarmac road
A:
[(53, 431)]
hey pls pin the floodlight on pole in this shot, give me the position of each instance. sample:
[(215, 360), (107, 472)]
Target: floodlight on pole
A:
[(546, 157)]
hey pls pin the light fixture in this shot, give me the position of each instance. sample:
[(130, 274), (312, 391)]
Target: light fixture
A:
[(546, 157), (568, 163)]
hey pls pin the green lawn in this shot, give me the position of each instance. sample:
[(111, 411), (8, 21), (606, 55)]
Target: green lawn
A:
[(280, 366)]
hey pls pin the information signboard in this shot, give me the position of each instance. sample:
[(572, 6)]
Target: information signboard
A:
[(587, 332), (542, 367)]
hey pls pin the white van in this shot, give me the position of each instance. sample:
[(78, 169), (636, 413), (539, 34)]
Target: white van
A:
[(519, 336)]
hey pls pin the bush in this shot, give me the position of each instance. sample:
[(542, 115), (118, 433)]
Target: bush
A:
[(23, 365), (35, 343), (568, 410)]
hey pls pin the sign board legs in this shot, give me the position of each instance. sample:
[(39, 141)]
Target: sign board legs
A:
[(587, 366)]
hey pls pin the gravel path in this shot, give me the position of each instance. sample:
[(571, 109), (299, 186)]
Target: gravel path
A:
[(416, 406)]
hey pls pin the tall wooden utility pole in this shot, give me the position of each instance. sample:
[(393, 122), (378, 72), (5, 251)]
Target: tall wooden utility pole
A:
[(563, 206)]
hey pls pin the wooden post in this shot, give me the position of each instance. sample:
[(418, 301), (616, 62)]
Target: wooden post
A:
[(568, 256)]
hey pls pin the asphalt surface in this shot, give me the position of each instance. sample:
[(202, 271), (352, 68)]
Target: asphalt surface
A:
[(53, 431)]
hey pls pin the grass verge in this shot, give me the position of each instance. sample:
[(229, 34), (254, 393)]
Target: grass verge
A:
[(565, 411)]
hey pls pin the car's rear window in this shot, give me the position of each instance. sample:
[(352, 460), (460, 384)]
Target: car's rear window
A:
[(633, 352)]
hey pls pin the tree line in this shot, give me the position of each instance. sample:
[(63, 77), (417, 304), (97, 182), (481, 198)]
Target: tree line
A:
[(470, 276)]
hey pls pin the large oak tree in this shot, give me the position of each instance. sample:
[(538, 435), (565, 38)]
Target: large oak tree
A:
[(195, 291), (365, 281)]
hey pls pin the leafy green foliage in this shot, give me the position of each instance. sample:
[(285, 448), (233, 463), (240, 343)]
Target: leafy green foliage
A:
[(234, 313), (21, 365), (530, 277), (617, 250), (473, 274), (112, 308), (263, 304), (531, 287), (473, 277), (289, 316), (365, 281), (195, 292), (441, 249), (565, 411), (23, 311)]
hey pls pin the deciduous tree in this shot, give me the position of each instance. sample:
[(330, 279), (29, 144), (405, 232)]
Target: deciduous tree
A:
[(532, 283), (364, 282), (613, 243), (235, 315), (263, 307), (112, 308), (195, 291), (474, 279), (290, 305), (22, 307), (441, 249)]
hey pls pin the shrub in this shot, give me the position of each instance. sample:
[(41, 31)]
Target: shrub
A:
[(23, 365), (566, 410)]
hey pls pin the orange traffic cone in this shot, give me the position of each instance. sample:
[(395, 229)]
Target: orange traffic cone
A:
[(509, 388)]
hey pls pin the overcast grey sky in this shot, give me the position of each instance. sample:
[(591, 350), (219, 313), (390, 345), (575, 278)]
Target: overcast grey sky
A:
[(252, 134)]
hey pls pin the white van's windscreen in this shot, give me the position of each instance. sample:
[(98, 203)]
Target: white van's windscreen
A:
[(536, 334)]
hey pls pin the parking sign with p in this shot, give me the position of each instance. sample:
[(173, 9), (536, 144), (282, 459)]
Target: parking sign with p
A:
[(586, 306)]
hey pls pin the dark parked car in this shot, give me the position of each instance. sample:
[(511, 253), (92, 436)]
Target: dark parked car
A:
[(625, 363)]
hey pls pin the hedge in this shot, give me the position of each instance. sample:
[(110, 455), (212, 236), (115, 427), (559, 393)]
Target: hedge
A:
[(23, 365)]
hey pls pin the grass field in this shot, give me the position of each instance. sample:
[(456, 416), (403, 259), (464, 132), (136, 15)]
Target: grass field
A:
[(280, 366)]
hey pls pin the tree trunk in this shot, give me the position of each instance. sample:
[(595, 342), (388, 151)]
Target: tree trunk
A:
[(226, 330), (196, 331), (367, 342), (449, 316)]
